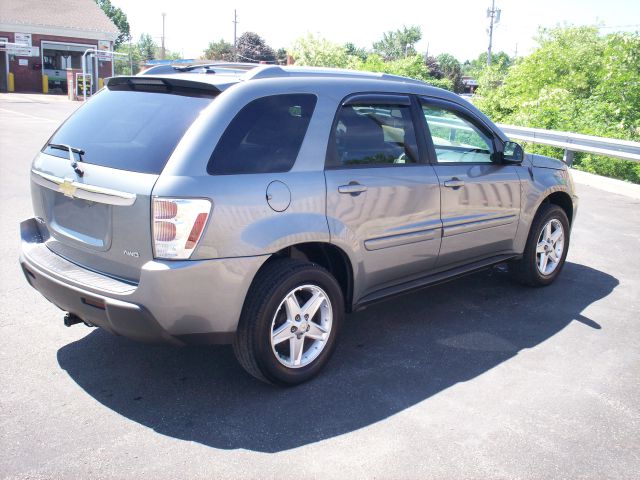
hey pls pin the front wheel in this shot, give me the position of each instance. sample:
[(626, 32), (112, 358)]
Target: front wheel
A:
[(289, 322), (546, 248)]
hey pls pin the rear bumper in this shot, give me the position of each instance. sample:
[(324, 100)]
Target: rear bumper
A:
[(176, 302)]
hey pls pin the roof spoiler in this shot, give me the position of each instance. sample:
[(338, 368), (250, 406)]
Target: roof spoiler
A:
[(155, 84)]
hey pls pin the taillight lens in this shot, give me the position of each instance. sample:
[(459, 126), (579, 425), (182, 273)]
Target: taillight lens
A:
[(178, 224)]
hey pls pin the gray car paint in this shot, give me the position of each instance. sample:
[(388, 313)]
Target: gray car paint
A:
[(481, 217), (541, 161), (125, 227), (391, 234), (393, 229)]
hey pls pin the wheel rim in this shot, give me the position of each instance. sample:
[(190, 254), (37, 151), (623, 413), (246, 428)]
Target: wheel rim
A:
[(301, 326), (550, 247)]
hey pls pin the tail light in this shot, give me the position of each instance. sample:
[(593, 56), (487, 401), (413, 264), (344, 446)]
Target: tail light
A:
[(178, 224)]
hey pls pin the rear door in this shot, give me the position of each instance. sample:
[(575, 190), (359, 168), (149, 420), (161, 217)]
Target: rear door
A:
[(96, 204), (480, 198), (383, 201)]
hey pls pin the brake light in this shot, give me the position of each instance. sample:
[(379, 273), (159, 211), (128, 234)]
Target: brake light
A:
[(178, 224)]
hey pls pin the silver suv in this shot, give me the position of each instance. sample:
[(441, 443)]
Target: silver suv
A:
[(256, 208)]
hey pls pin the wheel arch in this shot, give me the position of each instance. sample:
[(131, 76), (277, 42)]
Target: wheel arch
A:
[(561, 199), (327, 255)]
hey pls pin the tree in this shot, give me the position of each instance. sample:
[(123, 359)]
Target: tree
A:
[(412, 67), (319, 52), (434, 67), (451, 69), (398, 44), (314, 51), (134, 58), (147, 47), (501, 60), (171, 55), (281, 56), (219, 50), (119, 18), (354, 51), (129, 65), (251, 47), (576, 80)]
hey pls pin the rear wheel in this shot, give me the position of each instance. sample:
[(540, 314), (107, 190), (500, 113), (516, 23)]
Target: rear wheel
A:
[(546, 248), (289, 323)]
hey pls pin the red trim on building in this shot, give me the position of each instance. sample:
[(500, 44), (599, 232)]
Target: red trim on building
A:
[(29, 78)]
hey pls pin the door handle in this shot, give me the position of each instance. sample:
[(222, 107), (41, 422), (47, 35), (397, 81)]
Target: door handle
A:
[(353, 188), (454, 183)]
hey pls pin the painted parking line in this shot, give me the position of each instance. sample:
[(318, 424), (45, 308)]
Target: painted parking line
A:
[(27, 115)]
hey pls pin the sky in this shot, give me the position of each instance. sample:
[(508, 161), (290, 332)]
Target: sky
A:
[(457, 27)]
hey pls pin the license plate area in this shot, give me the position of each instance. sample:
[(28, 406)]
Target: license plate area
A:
[(81, 221)]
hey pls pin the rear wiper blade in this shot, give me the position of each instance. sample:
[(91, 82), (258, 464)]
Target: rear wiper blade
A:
[(71, 150), (62, 146)]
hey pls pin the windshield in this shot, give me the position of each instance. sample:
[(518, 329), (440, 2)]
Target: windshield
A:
[(129, 130)]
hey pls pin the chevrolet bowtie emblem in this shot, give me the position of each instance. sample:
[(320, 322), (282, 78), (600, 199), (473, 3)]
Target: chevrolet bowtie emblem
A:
[(67, 188)]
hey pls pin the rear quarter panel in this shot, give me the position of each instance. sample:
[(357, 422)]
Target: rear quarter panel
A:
[(242, 222)]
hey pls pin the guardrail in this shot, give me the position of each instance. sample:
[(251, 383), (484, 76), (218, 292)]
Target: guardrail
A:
[(575, 142)]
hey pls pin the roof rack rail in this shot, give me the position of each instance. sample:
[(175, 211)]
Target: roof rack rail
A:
[(276, 71)]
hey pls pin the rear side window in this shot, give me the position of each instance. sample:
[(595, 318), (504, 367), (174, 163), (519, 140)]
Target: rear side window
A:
[(129, 130), (264, 137)]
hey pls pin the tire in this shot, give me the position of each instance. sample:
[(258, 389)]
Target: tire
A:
[(275, 342), (530, 269)]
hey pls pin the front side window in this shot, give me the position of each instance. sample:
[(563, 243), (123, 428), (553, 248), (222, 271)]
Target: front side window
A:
[(265, 136), (374, 135), (456, 139)]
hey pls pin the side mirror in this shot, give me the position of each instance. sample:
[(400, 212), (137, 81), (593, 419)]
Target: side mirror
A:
[(512, 153)]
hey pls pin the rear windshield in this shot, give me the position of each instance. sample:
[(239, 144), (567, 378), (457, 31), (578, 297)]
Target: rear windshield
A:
[(129, 130)]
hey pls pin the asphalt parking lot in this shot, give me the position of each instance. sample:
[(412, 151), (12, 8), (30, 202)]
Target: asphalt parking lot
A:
[(478, 378)]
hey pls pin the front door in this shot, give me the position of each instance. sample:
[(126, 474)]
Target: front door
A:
[(480, 198), (383, 201)]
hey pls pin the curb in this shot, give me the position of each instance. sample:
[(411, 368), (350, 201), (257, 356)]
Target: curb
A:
[(607, 184)]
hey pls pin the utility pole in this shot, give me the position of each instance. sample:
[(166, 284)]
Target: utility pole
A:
[(493, 14), (235, 38), (162, 51), (130, 56)]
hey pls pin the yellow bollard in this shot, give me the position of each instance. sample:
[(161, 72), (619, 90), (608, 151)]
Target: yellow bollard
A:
[(100, 83), (12, 84), (45, 83)]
